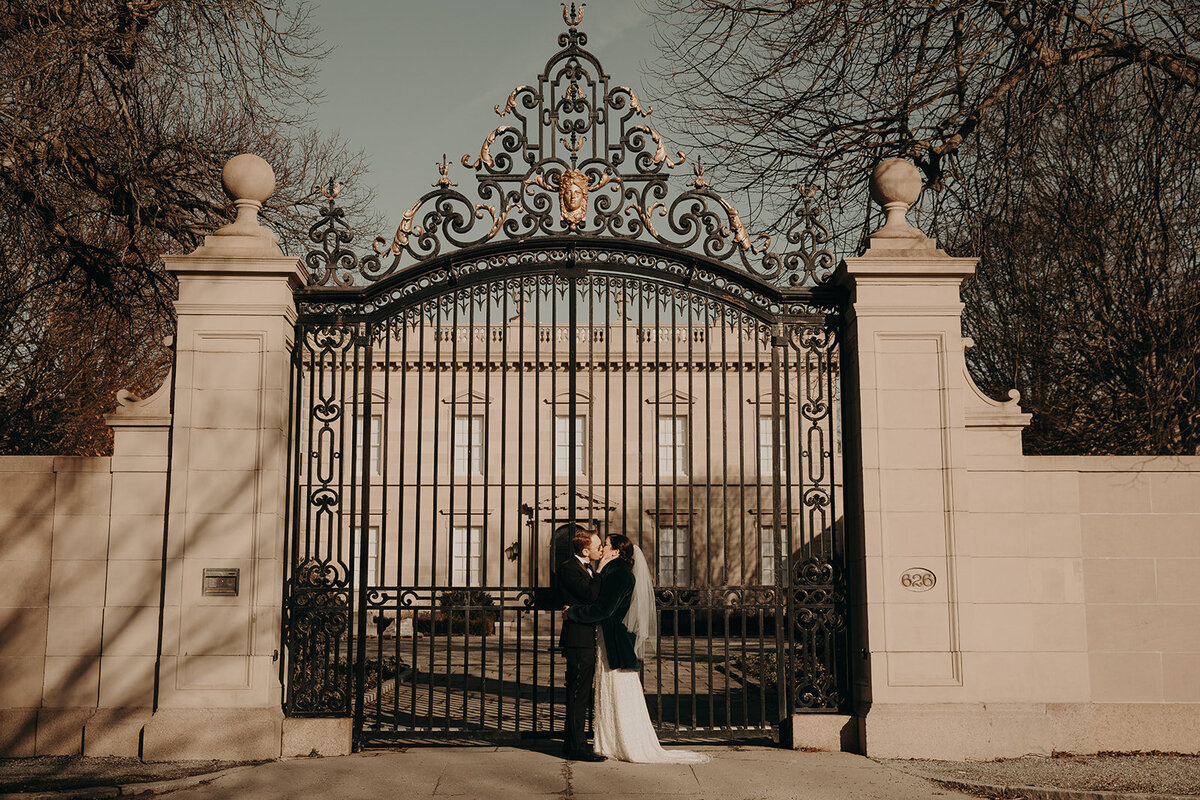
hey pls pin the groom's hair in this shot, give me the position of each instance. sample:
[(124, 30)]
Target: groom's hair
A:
[(623, 546), (581, 539)]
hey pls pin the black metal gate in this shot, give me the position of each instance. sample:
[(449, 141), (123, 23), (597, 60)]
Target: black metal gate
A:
[(454, 418)]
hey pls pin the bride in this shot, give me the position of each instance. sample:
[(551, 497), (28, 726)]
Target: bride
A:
[(629, 630)]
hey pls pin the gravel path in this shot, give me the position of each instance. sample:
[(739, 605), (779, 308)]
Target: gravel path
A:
[(1154, 773)]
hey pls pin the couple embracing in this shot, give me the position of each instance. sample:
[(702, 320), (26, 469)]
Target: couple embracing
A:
[(610, 624)]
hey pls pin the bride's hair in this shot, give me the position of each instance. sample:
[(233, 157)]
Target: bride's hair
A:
[(623, 546)]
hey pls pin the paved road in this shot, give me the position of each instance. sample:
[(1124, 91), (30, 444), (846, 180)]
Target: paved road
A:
[(507, 773)]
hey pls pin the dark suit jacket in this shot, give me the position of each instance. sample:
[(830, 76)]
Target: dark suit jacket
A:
[(609, 609), (577, 589)]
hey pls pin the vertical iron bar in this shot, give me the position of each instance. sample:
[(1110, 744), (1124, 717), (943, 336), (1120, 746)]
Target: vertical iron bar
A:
[(689, 439), (416, 425), (451, 482), (554, 470), (673, 332), (522, 558), (658, 510), (777, 345), (387, 425), (487, 484), (470, 510), (364, 520), (572, 387), (726, 499), (535, 550), (743, 579), (290, 520), (787, 639), (713, 579), (761, 329), (435, 502)]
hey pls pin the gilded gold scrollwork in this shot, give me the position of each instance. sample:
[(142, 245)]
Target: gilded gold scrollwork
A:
[(485, 152), (646, 215), (741, 236), (400, 240), (635, 103), (511, 103), (660, 154), (497, 220)]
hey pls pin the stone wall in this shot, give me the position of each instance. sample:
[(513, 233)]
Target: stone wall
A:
[(1077, 603), (1085, 598), (81, 551)]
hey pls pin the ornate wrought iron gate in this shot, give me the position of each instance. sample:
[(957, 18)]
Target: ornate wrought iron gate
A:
[(454, 416)]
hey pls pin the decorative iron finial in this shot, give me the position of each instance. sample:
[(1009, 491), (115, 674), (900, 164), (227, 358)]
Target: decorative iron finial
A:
[(698, 170), (444, 174), (574, 16), (330, 190)]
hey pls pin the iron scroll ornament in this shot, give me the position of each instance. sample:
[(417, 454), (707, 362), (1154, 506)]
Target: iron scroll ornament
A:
[(574, 156)]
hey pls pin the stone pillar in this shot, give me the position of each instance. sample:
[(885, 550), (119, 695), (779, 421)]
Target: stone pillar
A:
[(905, 381), (219, 690)]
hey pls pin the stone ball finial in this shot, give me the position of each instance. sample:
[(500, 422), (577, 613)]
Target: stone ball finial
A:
[(249, 180), (896, 185), (248, 177)]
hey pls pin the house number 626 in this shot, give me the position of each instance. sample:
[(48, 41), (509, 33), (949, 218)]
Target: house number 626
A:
[(918, 579)]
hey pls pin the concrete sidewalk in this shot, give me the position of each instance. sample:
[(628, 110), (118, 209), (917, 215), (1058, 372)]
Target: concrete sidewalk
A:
[(508, 773)]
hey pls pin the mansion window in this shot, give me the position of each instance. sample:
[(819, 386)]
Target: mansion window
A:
[(376, 443), (465, 560), (468, 444), (373, 555), (674, 553), (672, 445), (562, 444), (766, 553), (766, 446), (375, 459)]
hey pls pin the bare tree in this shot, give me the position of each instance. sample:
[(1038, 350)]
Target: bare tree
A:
[(1057, 142), (118, 116), (788, 91), (1088, 294)]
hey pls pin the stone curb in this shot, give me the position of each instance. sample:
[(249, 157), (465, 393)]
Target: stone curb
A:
[(1044, 793), (144, 788)]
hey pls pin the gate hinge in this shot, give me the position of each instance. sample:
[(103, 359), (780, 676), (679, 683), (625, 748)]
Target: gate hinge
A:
[(778, 340)]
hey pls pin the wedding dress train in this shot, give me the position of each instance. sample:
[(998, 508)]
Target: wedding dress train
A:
[(621, 728)]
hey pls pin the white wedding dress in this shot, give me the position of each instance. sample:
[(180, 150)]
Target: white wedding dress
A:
[(621, 727)]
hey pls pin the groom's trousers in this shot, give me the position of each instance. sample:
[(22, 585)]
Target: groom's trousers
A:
[(581, 673)]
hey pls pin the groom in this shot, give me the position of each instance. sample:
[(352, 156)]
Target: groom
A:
[(579, 585)]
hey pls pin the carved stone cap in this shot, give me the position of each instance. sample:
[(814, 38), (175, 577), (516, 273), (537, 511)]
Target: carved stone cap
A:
[(135, 412)]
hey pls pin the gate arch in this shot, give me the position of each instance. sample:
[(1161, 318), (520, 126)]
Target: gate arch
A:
[(567, 361)]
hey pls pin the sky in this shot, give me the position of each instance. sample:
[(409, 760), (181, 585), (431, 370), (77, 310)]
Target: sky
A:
[(409, 80)]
